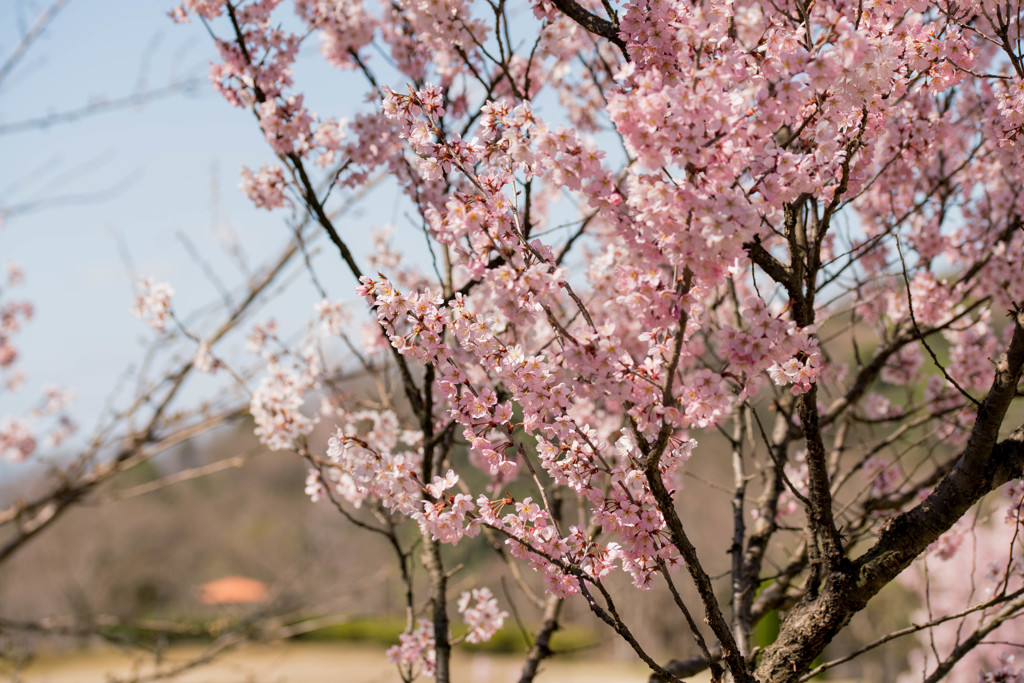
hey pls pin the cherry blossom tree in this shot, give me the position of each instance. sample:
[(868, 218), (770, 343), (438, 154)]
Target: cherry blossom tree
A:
[(796, 224), (793, 225)]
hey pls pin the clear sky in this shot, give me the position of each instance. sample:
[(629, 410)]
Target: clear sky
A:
[(79, 196)]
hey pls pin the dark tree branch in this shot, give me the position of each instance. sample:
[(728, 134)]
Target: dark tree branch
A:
[(592, 23), (541, 648), (984, 464), (712, 610)]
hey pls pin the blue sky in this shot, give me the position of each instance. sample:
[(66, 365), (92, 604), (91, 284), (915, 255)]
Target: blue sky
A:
[(129, 182)]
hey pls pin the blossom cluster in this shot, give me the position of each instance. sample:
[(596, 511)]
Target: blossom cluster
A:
[(1005, 673), (415, 654), (277, 402), (479, 609), (13, 314), (364, 460), (265, 187), (17, 442), (153, 303), (21, 435)]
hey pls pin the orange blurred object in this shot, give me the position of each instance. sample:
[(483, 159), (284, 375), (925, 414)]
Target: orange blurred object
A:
[(233, 590)]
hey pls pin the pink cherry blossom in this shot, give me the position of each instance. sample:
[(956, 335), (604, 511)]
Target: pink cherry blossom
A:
[(265, 187), (153, 303), (480, 611)]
